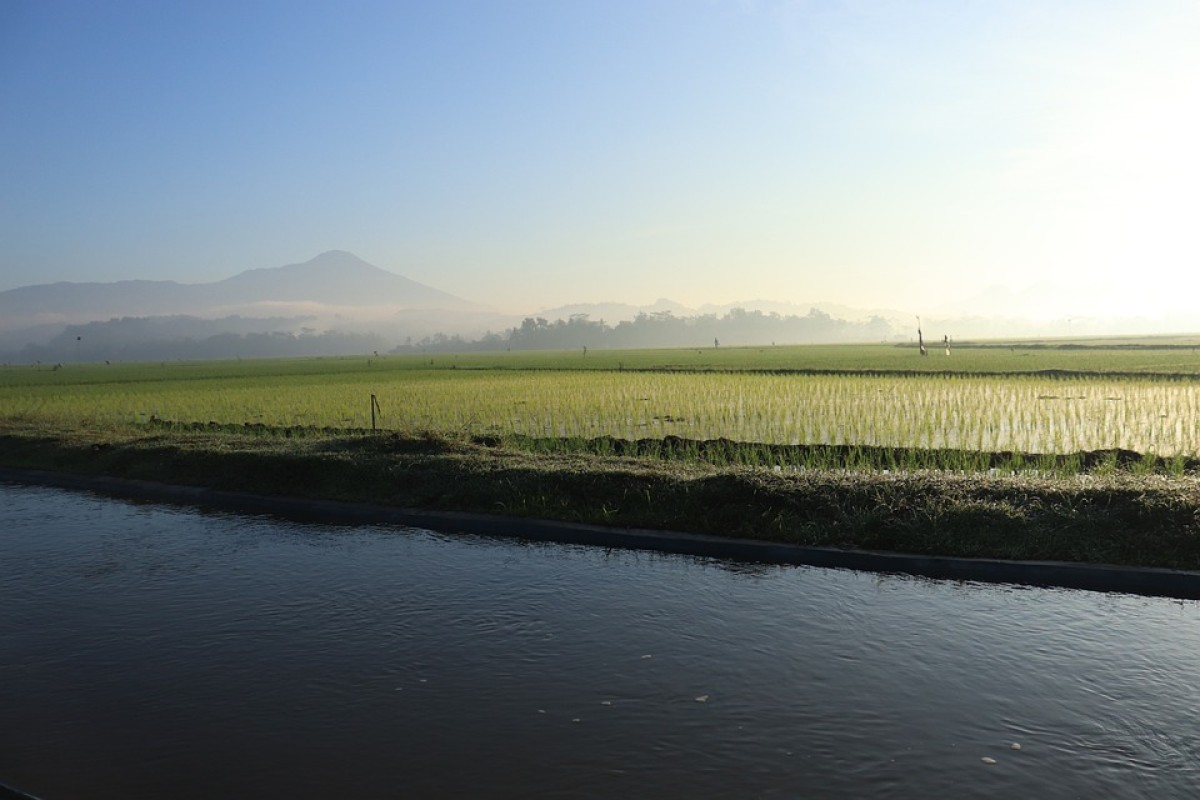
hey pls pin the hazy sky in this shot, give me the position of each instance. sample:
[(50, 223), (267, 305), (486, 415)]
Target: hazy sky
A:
[(531, 153)]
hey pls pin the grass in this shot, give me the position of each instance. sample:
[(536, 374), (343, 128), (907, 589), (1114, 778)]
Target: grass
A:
[(1091, 457), (1117, 518), (1178, 356)]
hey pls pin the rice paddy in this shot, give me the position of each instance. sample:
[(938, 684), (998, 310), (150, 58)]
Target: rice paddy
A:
[(1146, 400), (1091, 456)]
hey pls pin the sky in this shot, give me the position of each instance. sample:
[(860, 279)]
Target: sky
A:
[(531, 153)]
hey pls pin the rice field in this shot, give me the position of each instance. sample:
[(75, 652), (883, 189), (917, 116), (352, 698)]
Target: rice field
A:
[(1022, 412)]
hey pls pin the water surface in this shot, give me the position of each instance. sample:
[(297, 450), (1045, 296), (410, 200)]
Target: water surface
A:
[(148, 651)]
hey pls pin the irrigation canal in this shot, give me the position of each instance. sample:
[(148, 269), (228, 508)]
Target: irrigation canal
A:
[(150, 651)]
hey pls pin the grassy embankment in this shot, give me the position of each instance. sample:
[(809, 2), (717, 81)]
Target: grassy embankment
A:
[(1025, 453)]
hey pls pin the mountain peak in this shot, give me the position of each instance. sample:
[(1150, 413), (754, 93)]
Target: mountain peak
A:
[(330, 259), (335, 257), (335, 277)]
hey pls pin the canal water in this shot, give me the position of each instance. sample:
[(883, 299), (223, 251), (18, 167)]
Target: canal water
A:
[(149, 651)]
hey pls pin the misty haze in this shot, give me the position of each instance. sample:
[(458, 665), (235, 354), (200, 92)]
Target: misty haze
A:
[(337, 304)]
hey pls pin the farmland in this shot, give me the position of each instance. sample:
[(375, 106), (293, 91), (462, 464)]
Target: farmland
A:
[(1084, 453), (1063, 401)]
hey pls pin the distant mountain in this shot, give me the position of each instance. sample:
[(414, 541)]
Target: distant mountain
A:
[(73, 301), (788, 308), (336, 278), (613, 312), (332, 279)]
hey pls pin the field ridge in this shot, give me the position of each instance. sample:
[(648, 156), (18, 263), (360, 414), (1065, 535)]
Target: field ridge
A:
[(1120, 518)]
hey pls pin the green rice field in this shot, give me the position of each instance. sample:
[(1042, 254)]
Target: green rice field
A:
[(1082, 454), (1001, 398)]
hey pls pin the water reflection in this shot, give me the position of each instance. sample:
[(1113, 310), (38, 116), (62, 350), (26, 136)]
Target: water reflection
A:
[(163, 652)]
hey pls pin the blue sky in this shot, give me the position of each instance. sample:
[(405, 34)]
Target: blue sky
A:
[(526, 154)]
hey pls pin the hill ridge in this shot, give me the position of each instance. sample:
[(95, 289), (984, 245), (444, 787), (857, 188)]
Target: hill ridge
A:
[(334, 277)]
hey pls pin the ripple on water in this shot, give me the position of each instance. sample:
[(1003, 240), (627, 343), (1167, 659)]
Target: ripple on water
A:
[(165, 652)]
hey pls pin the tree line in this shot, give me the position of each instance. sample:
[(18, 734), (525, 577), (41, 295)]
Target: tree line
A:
[(663, 329), (191, 338)]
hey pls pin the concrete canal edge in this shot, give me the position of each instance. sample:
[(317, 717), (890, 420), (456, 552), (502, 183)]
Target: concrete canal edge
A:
[(1093, 577)]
